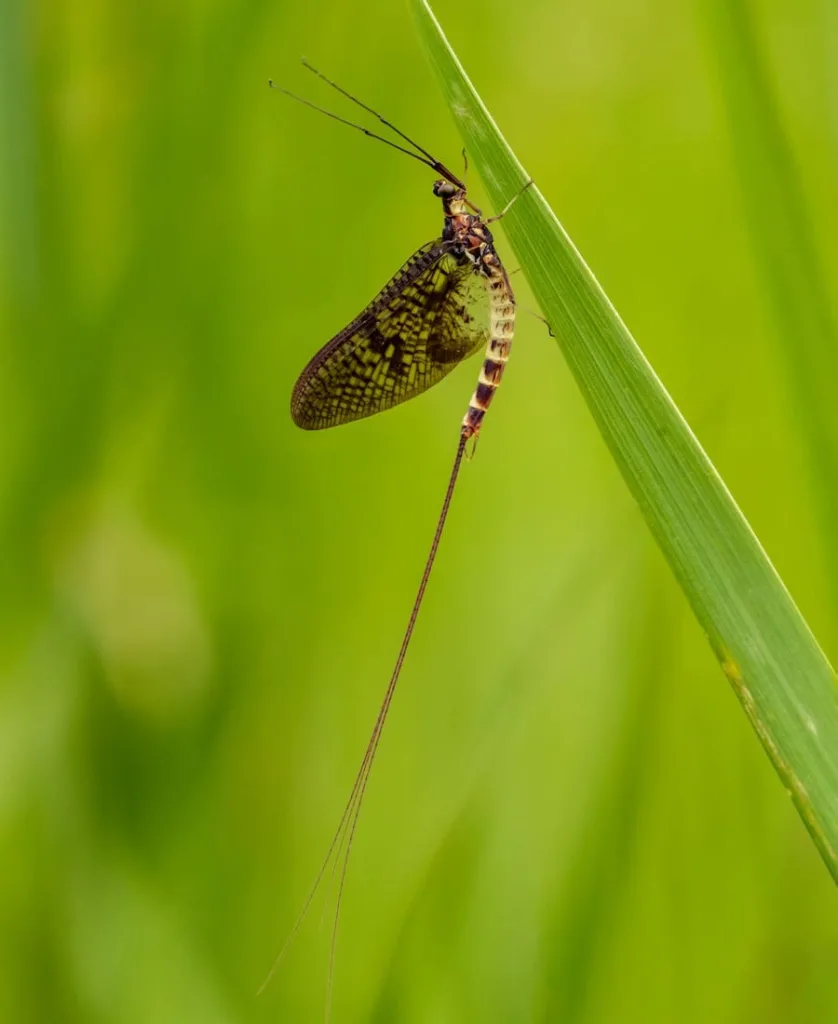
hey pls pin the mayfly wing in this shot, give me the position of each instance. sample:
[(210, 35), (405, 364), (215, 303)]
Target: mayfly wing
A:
[(427, 319)]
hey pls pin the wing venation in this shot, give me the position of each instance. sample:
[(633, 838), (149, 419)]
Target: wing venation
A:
[(425, 321)]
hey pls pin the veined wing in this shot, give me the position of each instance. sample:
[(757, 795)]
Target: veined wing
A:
[(421, 325)]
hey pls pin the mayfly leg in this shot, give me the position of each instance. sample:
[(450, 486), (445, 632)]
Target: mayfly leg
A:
[(511, 203)]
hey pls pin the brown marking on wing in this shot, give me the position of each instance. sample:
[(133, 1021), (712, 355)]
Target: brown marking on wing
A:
[(408, 338)]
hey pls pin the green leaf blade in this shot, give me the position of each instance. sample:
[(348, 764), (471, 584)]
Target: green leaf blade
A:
[(779, 673)]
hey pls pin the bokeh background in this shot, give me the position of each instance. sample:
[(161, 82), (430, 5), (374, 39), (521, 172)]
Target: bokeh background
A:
[(570, 818)]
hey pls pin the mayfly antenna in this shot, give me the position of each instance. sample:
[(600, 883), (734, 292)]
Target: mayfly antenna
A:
[(436, 164), (426, 158), (351, 124)]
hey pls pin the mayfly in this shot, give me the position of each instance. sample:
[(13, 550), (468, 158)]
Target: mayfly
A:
[(419, 327)]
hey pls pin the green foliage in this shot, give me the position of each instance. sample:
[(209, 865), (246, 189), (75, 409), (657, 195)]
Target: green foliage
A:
[(201, 604), (765, 648)]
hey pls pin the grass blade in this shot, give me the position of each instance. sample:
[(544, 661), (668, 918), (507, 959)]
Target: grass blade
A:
[(768, 653)]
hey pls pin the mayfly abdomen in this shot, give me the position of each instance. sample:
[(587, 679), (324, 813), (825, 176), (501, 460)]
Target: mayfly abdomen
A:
[(501, 330)]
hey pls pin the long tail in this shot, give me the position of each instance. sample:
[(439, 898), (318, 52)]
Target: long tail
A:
[(341, 845)]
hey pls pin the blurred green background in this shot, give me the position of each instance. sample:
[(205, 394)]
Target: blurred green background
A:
[(570, 819)]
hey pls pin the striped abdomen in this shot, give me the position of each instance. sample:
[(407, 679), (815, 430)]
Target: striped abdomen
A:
[(501, 329)]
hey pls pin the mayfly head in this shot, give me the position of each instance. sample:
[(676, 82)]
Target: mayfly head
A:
[(445, 189)]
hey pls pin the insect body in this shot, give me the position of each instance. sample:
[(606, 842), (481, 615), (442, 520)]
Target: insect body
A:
[(473, 246), (450, 299), (418, 328)]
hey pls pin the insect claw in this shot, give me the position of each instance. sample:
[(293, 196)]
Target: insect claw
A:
[(538, 316)]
